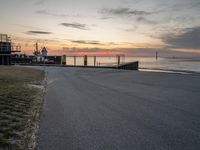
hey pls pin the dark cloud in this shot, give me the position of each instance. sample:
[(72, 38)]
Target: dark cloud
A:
[(38, 32), (104, 18), (87, 42), (75, 25), (124, 12), (113, 43), (145, 21), (93, 42), (75, 49), (184, 4), (188, 38), (195, 4), (183, 19)]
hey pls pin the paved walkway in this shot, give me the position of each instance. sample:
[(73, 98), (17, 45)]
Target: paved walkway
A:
[(103, 109)]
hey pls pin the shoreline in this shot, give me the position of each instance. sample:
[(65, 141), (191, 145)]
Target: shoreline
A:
[(173, 71), (142, 69)]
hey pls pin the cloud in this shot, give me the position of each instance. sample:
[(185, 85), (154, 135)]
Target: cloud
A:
[(123, 12), (75, 25), (92, 42), (187, 38), (76, 49), (56, 14), (38, 32), (86, 42), (145, 21), (195, 4), (181, 5), (39, 2), (45, 12), (105, 18)]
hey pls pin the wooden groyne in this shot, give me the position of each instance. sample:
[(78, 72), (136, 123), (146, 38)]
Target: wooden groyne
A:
[(129, 66), (60, 61), (125, 66)]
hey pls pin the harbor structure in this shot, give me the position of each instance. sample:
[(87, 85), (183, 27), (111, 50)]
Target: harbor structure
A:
[(6, 49), (44, 52), (40, 56)]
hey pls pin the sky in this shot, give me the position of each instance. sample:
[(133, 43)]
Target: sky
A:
[(104, 27)]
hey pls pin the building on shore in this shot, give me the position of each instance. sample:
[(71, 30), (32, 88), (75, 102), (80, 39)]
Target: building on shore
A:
[(6, 49)]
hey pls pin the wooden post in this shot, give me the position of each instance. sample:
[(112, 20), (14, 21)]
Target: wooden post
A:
[(94, 60), (63, 60), (156, 55), (74, 60), (118, 60), (85, 60)]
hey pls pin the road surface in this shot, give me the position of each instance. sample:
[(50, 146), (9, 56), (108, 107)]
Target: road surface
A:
[(105, 109)]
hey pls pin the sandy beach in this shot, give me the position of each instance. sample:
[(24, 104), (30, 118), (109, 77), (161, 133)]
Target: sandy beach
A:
[(98, 109)]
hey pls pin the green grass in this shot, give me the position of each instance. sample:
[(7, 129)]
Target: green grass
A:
[(20, 106)]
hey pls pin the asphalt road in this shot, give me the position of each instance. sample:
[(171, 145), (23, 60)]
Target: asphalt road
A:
[(104, 109)]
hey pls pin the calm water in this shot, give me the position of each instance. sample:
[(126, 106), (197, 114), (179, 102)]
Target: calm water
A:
[(190, 64)]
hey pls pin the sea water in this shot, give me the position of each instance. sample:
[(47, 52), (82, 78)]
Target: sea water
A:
[(178, 64)]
